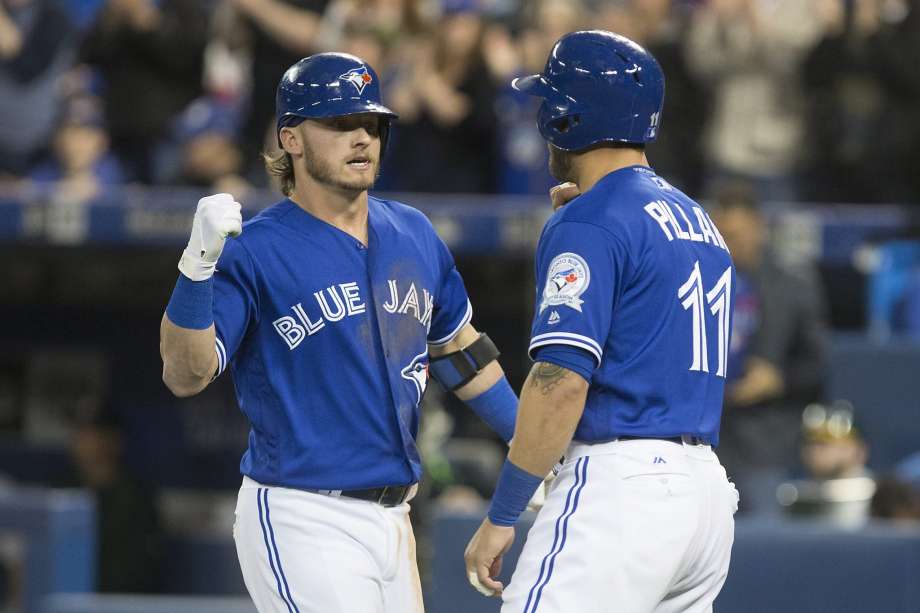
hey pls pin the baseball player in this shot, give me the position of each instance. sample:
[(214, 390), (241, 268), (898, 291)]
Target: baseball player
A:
[(629, 338), (330, 309)]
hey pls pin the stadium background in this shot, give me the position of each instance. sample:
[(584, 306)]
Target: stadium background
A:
[(117, 115)]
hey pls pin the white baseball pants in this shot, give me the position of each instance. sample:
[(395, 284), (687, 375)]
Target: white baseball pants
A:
[(633, 526), (302, 552)]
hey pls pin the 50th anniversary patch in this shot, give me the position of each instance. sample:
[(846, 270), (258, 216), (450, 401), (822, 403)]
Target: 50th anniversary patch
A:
[(567, 279)]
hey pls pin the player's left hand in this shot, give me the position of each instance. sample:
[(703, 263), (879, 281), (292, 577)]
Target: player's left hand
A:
[(483, 557)]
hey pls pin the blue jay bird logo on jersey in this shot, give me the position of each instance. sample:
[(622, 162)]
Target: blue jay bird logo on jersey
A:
[(567, 279), (359, 77), (417, 372)]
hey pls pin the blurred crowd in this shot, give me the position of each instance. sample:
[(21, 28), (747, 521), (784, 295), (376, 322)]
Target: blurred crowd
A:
[(767, 101), (816, 101)]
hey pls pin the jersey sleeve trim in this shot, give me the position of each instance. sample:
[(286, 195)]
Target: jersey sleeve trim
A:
[(566, 338), (463, 321), (221, 355)]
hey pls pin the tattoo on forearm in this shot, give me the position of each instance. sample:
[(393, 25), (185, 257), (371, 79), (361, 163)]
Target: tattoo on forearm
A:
[(546, 377)]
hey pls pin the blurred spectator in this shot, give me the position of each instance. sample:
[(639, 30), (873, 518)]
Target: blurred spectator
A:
[(660, 26), (37, 43), (150, 53), (207, 154), (833, 446), (908, 469), (522, 154), (893, 297), (897, 42), (837, 487), (907, 311), (227, 62), (445, 140), (130, 547), (83, 12), (895, 500), (12, 376), (849, 106), (281, 32), (551, 19), (776, 357), (749, 53), (388, 21), (81, 167)]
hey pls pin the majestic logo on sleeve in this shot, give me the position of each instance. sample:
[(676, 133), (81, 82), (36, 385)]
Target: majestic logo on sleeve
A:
[(359, 77), (567, 279), (417, 372)]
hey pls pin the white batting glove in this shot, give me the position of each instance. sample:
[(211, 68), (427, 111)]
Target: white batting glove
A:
[(216, 218), (539, 497)]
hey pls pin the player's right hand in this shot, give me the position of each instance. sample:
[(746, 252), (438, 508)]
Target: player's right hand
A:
[(483, 557), (216, 218), (562, 193)]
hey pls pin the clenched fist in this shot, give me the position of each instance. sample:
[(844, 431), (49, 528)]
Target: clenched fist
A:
[(216, 218)]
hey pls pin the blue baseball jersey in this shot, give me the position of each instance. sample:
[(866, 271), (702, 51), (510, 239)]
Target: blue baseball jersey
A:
[(327, 341), (635, 273)]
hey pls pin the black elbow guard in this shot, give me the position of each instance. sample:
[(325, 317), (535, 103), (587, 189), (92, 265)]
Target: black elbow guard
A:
[(456, 369)]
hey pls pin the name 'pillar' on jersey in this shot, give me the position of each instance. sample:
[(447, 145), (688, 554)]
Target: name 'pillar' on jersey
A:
[(638, 244)]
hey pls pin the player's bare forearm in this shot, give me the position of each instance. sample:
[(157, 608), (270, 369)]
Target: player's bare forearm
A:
[(293, 27), (552, 401), (486, 378), (446, 106), (189, 359)]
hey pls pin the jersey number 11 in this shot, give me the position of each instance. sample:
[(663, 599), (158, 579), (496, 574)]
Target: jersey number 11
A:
[(693, 297)]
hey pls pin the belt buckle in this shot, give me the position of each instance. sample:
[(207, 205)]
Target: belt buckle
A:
[(382, 498)]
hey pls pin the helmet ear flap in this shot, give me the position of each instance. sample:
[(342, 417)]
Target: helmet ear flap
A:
[(385, 124), (563, 125)]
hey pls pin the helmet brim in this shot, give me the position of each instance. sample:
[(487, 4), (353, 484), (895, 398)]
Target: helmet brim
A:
[(533, 85), (295, 117), (379, 109), (355, 108)]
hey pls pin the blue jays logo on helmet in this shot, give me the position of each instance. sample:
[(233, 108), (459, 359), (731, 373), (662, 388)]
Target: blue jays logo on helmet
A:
[(417, 372), (359, 77), (321, 86)]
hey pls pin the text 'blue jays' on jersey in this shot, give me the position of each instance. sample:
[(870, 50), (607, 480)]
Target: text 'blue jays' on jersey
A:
[(327, 342), (635, 273)]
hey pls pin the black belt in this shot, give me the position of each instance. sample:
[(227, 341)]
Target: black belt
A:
[(389, 496), (680, 440)]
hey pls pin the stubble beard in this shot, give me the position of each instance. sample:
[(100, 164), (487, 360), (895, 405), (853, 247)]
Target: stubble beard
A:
[(324, 172), (560, 164)]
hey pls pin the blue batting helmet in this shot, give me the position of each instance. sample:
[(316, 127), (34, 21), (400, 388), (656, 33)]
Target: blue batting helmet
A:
[(328, 85), (597, 87)]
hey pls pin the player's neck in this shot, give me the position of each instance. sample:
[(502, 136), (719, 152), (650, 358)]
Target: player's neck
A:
[(344, 209), (592, 166)]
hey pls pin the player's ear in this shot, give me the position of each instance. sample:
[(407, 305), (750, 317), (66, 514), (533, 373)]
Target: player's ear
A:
[(291, 140)]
